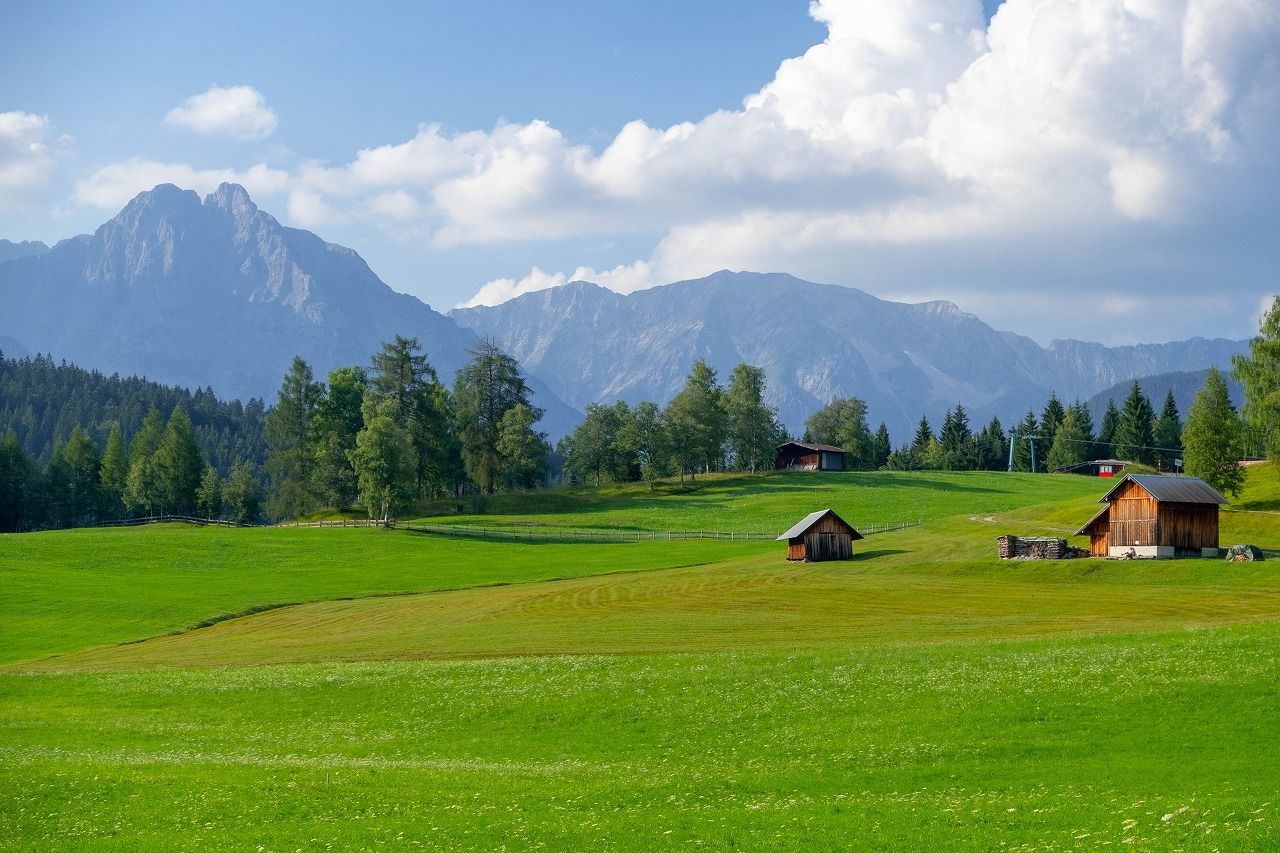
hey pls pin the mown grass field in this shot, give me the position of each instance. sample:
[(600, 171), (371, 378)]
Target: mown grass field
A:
[(427, 692)]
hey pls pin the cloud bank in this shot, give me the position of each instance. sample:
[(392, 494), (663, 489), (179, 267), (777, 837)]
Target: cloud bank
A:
[(29, 153), (240, 112), (1070, 147)]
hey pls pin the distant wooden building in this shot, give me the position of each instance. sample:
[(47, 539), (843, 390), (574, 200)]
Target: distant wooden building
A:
[(1096, 468), (801, 456), (820, 536), (1156, 515)]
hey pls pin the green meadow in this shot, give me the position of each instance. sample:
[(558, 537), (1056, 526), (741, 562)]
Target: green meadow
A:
[(284, 689)]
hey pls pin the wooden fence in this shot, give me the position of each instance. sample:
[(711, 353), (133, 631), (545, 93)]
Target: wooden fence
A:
[(162, 519)]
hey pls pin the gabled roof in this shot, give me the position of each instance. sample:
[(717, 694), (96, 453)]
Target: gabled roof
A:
[(824, 447), (810, 520), (1102, 513), (1178, 490)]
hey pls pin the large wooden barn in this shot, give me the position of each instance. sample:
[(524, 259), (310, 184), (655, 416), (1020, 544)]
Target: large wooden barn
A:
[(802, 456), (1153, 515), (819, 536)]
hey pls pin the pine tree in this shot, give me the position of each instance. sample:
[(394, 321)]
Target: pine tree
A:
[(486, 389), (957, 441), (209, 495), (1084, 420), (1106, 446), (241, 495), (1212, 437), (178, 464), (923, 439), (1168, 434), (881, 447), (142, 485), (291, 456), (113, 473), (1135, 433), (81, 457), (1070, 443), (17, 484), (1050, 418), (402, 374), (1259, 373), (338, 419)]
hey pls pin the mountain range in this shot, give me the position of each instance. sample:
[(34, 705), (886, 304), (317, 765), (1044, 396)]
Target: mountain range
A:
[(814, 342), (215, 292)]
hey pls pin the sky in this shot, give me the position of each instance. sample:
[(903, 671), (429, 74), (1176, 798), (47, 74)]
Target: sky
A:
[(1095, 169)]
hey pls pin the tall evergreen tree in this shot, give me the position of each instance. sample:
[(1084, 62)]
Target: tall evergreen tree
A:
[(1070, 442), (290, 455), (752, 429), (178, 464), (338, 419), (1259, 373), (1106, 446), (1168, 434), (1135, 433), (114, 472), (881, 447), (81, 457), (17, 483), (923, 439), (991, 447), (1050, 418), (1084, 421), (486, 389), (957, 440), (697, 422), (401, 373), (1212, 437), (142, 492), (241, 494), (209, 495)]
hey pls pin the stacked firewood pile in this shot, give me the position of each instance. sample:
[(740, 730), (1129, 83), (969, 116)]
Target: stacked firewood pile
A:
[(1034, 548)]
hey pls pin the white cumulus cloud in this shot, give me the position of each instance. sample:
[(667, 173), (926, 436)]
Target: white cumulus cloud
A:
[(29, 153), (240, 112), (112, 186)]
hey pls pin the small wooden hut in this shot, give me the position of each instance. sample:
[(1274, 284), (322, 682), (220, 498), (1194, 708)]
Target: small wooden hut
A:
[(802, 456), (1154, 515), (820, 536), (1096, 468)]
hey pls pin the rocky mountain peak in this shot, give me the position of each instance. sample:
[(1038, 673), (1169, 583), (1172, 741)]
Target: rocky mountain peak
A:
[(232, 198)]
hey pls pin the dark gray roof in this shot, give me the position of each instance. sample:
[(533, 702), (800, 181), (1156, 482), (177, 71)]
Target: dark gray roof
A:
[(809, 521), (1178, 490)]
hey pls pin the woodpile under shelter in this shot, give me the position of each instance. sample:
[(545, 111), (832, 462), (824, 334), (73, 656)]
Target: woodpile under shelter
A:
[(1154, 515), (820, 536), (802, 456)]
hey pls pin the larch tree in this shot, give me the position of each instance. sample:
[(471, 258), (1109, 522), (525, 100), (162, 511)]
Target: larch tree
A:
[(1212, 437), (338, 419), (209, 494), (113, 473), (178, 464), (1070, 442), (402, 373), (142, 484)]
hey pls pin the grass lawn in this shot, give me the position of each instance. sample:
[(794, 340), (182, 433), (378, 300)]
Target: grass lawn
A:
[(427, 692)]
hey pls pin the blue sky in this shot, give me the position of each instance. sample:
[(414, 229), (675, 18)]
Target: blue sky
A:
[(1118, 149)]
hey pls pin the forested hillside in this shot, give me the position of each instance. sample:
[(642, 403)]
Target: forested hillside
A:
[(42, 401)]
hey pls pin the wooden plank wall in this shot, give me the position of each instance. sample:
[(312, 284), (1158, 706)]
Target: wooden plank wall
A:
[(1188, 527)]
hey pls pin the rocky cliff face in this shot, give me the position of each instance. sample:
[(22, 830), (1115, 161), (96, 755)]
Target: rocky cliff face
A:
[(814, 341), (216, 292)]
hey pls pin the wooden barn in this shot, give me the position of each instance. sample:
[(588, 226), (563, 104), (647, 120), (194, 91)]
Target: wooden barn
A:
[(1156, 515), (801, 456), (820, 536)]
